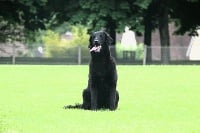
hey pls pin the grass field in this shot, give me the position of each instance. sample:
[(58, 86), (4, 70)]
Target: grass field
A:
[(153, 99)]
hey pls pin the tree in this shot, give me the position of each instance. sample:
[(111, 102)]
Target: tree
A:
[(150, 24), (185, 14), (156, 16), (160, 12), (15, 11), (111, 15), (164, 31), (16, 14), (140, 15)]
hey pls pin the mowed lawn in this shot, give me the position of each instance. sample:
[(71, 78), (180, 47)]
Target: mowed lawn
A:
[(153, 99)]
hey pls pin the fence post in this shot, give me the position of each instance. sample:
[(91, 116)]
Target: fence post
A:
[(13, 56), (165, 54), (145, 55), (79, 55)]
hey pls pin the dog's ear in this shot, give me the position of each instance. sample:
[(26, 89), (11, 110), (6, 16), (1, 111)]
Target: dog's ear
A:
[(90, 40), (109, 39)]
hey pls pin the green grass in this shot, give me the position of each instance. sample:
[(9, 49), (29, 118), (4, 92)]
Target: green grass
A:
[(153, 99)]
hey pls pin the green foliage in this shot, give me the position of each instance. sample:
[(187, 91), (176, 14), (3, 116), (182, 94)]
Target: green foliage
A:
[(54, 46), (186, 16), (51, 21), (96, 14), (3, 28), (62, 28), (139, 54), (57, 46), (80, 36), (11, 32), (15, 32), (142, 4), (100, 13), (34, 38), (14, 11)]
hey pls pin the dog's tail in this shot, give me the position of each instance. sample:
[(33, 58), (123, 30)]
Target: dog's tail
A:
[(76, 106)]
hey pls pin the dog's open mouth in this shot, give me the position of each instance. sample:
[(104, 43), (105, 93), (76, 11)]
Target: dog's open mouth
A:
[(96, 49)]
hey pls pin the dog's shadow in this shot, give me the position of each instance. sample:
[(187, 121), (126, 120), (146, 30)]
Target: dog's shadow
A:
[(80, 106), (75, 106)]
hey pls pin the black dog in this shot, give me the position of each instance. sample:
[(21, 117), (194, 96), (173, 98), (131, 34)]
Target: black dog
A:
[(101, 92)]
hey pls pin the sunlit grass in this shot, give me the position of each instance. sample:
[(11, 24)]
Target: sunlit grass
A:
[(153, 99)]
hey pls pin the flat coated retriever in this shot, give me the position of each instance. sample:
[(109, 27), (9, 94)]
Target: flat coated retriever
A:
[(101, 91)]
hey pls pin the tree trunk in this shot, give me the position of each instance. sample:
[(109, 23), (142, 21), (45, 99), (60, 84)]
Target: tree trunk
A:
[(149, 23), (147, 37), (147, 42), (164, 32), (111, 29)]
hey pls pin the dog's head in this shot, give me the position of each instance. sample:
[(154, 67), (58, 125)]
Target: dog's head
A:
[(99, 43)]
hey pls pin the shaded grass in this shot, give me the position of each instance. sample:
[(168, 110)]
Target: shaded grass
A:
[(153, 99)]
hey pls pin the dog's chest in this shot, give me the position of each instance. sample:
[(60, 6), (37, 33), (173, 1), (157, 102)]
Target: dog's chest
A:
[(99, 69), (100, 75)]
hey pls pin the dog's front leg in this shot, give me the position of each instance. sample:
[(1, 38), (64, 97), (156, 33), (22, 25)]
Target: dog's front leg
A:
[(112, 100), (94, 99), (86, 99)]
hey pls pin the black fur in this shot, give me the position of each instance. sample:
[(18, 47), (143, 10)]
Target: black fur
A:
[(101, 91)]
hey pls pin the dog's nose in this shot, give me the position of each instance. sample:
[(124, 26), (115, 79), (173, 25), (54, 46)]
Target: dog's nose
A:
[(96, 41)]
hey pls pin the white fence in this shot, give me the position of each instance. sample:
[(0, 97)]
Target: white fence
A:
[(172, 53), (80, 55)]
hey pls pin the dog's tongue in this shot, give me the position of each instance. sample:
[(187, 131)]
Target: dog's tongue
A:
[(95, 49)]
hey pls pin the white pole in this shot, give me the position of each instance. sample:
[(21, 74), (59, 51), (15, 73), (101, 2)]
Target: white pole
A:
[(145, 55), (13, 57), (79, 55)]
